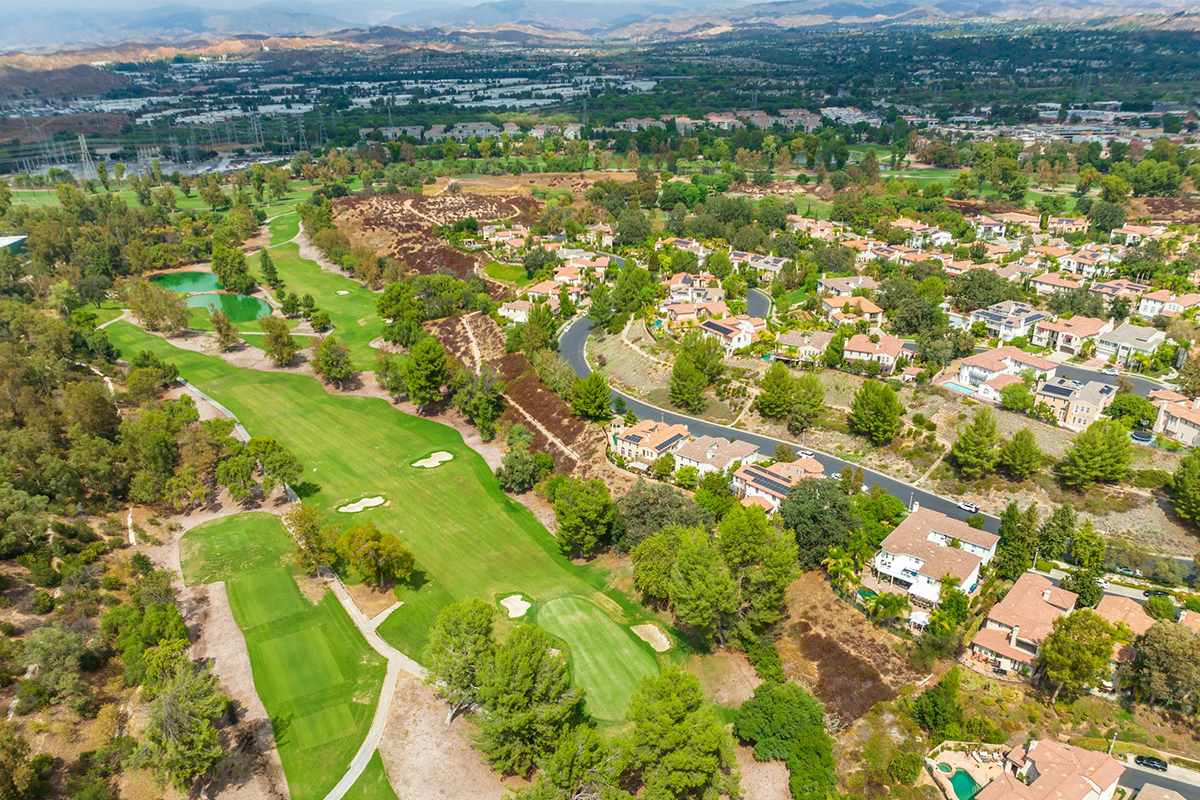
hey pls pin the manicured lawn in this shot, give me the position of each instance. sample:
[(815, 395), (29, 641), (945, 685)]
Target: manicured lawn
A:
[(469, 538), (284, 227), (605, 660), (316, 676), (510, 273), (373, 783), (355, 321)]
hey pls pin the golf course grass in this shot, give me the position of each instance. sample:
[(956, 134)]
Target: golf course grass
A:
[(355, 321), (469, 538), (604, 657), (284, 227), (373, 783), (313, 671)]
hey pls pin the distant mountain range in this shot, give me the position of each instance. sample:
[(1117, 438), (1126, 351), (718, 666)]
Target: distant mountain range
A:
[(28, 27)]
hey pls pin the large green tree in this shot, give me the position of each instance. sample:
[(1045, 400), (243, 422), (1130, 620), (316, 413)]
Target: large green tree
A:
[(875, 412), (776, 392), (1101, 454), (1185, 488), (974, 452), (1020, 456), (1075, 656), (585, 512), (820, 516), (703, 593), (427, 372), (591, 397), (460, 650)]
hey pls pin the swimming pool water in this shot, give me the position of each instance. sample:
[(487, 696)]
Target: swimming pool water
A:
[(958, 388), (965, 787)]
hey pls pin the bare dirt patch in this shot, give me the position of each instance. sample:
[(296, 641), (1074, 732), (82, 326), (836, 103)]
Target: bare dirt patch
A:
[(577, 183), (371, 600), (850, 663), (426, 758), (726, 675), (402, 225), (762, 780)]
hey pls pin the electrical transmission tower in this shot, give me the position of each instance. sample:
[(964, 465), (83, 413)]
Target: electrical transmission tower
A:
[(85, 160)]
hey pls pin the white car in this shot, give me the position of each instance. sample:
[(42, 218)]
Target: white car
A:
[(805, 453), (1103, 584), (1111, 371), (970, 508)]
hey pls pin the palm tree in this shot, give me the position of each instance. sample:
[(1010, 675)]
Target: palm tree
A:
[(860, 547), (841, 570), (887, 607)]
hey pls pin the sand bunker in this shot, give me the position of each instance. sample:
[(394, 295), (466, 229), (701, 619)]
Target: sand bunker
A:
[(653, 635), (365, 503), (434, 460), (343, 291), (516, 605)]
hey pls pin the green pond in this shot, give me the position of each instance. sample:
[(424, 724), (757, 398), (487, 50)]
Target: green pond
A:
[(238, 307), (188, 282)]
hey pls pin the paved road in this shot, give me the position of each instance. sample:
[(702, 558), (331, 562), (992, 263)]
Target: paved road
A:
[(1077, 373), (758, 303), (571, 347), (1184, 781)]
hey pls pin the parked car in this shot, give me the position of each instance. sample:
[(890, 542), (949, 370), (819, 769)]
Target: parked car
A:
[(1156, 593), (1151, 762), (1133, 573), (970, 508), (805, 453), (1111, 371), (1103, 584)]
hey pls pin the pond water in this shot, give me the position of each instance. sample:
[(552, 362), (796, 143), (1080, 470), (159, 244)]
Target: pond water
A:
[(238, 307), (188, 282)]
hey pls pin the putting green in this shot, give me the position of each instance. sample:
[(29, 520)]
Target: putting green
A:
[(373, 783), (469, 538), (314, 673), (606, 659)]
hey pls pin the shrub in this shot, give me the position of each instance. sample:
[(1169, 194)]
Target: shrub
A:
[(905, 768), (111, 582), (43, 602), (142, 564)]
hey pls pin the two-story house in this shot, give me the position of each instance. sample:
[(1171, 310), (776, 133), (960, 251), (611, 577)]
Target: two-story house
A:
[(1070, 335), (1076, 405), (646, 441), (1178, 418), (767, 486), (1127, 341), (803, 347), (1049, 770), (714, 454), (884, 349), (846, 286), (928, 547), (1016, 626), (1164, 303), (852, 309), (1008, 360), (1008, 319)]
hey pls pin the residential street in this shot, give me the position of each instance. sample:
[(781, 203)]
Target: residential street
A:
[(1184, 781)]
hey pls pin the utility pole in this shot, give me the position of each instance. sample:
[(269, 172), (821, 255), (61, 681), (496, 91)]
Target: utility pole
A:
[(85, 159)]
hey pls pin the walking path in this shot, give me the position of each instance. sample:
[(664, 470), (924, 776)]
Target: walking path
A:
[(396, 661)]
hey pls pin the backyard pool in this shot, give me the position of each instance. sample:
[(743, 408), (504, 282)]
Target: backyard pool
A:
[(958, 388), (189, 282), (965, 787), (945, 768), (238, 307)]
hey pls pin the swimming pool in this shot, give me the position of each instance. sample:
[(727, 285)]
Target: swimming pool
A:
[(945, 768), (958, 388), (965, 787)]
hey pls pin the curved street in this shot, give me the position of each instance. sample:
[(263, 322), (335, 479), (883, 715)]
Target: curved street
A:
[(572, 344)]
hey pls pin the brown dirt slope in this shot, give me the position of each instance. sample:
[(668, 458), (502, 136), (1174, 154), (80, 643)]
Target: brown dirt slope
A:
[(402, 225)]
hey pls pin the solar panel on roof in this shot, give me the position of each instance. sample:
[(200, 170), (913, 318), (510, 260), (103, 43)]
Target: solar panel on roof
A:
[(774, 485), (1058, 391), (671, 441), (635, 438)]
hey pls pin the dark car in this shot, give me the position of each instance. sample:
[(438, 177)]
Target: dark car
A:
[(1156, 593), (1151, 762)]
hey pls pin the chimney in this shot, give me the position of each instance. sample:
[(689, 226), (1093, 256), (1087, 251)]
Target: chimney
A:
[(1046, 594), (1012, 637)]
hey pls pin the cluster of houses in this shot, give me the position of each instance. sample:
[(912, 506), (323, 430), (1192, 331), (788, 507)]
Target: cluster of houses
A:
[(755, 479), (463, 131)]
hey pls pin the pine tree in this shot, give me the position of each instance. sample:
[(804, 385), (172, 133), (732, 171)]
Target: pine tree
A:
[(702, 590), (267, 267), (427, 372), (227, 332), (1185, 488), (460, 650), (1021, 457), (1102, 453), (808, 398), (1057, 532), (591, 397), (776, 392), (975, 450), (875, 412), (687, 385)]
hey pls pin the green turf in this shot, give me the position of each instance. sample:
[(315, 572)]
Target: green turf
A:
[(470, 539), (510, 273), (354, 319), (284, 227), (606, 660), (373, 783), (316, 676)]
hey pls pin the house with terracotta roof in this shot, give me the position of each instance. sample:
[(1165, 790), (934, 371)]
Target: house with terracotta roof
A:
[(1061, 225), (1007, 319), (1051, 253), (647, 441), (1125, 612), (801, 346), (1054, 282), (715, 454), (693, 312), (928, 547), (688, 245), (1089, 262), (1134, 234), (1008, 360), (773, 482), (1164, 303), (1070, 335), (1179, 420), (1030, 221), (1016, 626), (544, 290), (1049, 770), (846, 286), (884, 349), (733, 333), (852, 309), (992, 389)]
